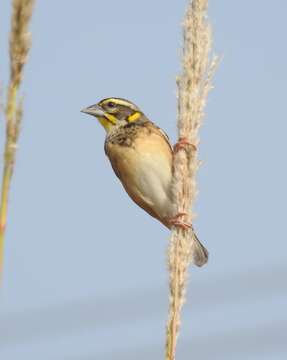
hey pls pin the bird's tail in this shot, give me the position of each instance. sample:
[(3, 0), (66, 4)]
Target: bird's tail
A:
[(199, 252)]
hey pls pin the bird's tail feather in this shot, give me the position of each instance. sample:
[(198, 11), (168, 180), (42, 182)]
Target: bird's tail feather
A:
[(199, 252)]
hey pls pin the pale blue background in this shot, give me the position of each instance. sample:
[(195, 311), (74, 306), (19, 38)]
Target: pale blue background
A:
[(85, 272)]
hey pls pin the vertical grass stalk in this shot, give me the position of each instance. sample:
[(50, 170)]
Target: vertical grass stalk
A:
[(19, 44), (193, 85)]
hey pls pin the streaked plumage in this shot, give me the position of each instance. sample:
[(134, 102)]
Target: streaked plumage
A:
[(141, 156)]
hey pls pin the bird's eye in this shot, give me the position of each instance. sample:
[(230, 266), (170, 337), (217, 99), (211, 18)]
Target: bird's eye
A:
[(111, 105)]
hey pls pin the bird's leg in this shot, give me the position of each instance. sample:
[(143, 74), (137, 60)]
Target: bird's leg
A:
[(176, 221), (183, 143)]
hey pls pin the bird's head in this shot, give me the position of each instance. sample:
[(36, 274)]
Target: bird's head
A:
[(114, 112)]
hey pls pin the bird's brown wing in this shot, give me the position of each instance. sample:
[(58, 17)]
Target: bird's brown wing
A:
[(164, 135)]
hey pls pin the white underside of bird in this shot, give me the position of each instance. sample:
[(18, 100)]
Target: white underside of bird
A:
[(153, 182)]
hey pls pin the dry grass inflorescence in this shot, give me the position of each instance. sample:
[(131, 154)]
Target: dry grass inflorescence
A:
[(193, 85), (19, 48)]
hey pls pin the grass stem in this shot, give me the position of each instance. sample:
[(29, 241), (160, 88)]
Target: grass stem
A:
[(19, 47), (193, 84)]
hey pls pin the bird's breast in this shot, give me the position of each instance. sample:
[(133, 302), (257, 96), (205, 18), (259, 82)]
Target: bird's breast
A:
[(145, 170)]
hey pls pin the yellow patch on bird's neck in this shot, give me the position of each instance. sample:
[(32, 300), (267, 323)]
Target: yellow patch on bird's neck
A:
[(134, 117), (107, 122), (111, 118)]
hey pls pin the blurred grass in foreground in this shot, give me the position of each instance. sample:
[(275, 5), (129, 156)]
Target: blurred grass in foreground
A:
[(19, 48)]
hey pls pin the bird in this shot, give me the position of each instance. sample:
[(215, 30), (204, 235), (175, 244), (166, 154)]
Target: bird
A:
[(141, 156)]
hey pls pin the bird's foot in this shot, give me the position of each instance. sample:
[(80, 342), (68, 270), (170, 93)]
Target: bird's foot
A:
[(178, 222), (183, 143)]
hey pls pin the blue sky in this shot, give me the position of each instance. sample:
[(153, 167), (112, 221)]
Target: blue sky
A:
[(85, 268)]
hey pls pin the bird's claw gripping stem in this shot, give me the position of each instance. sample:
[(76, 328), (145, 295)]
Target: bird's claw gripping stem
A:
[(176, 221), (183, 143)]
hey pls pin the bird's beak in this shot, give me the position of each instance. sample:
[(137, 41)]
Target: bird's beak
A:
[(94, 110)]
